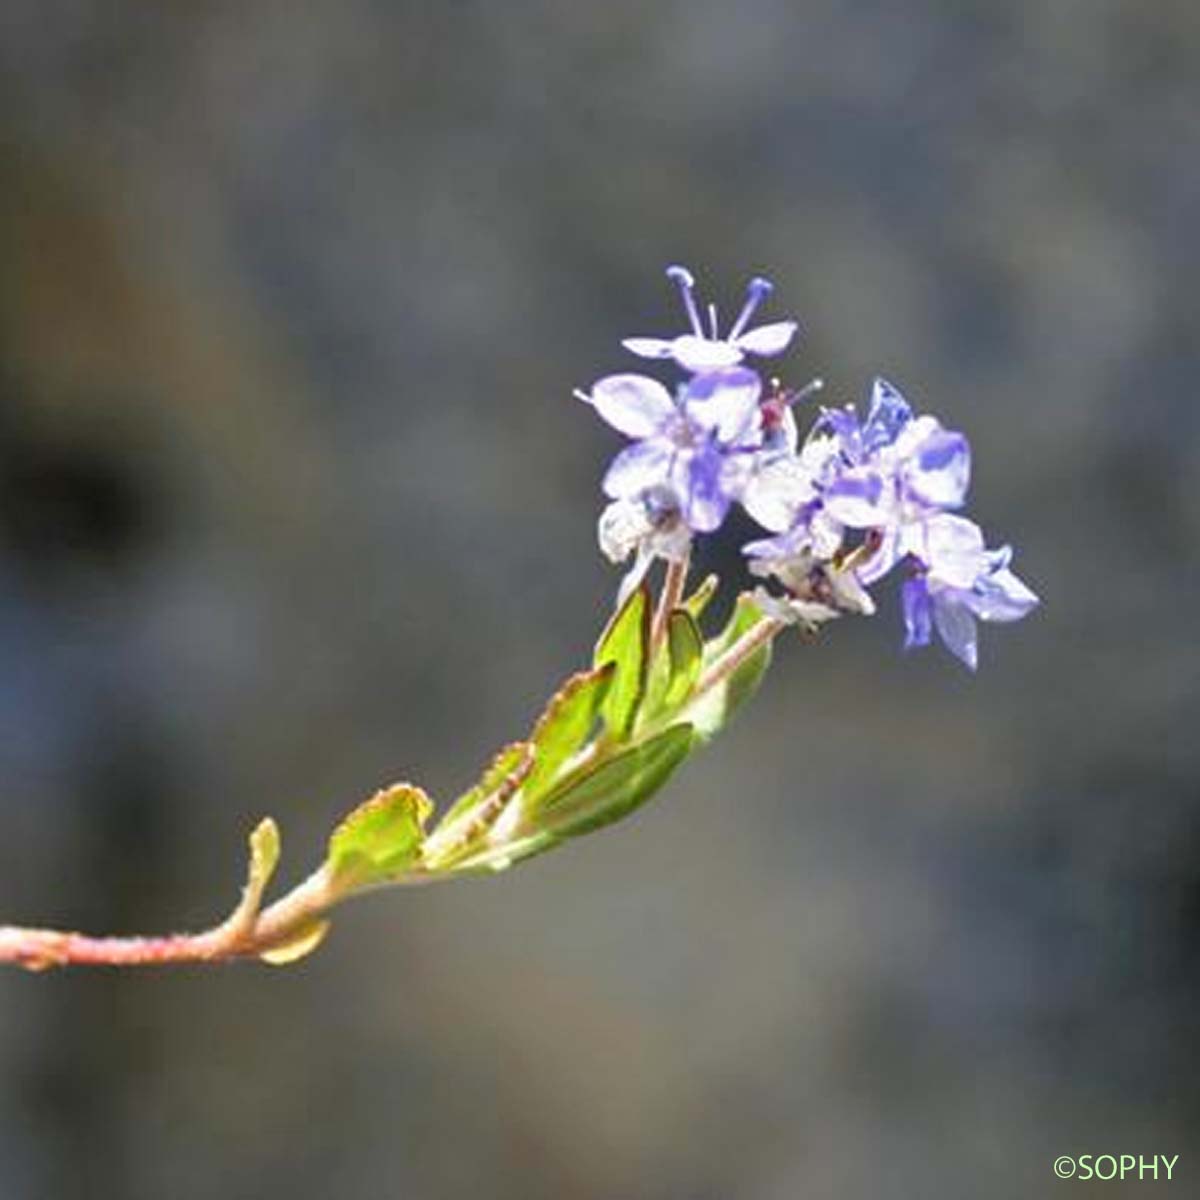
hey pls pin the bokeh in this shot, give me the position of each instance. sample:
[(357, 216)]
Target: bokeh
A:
[(295, 501)]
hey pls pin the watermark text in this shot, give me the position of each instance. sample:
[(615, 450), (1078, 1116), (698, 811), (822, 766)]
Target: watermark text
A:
[(1115, 1166)]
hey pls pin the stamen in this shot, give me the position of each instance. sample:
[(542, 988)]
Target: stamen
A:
[(683, 277), (712, 322), (809, 389), (756, 292)]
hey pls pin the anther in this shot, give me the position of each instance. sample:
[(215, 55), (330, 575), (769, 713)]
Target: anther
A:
[(757, 290), (683, 277)]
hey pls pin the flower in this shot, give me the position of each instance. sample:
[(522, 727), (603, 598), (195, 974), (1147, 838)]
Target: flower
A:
[(844, 506), (896, 472), (957, 581), (688, 444), (648, 525), (699, 352), (818, 587), (783, 490)]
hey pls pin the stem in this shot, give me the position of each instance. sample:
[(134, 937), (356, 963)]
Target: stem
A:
[(288, 918), (299, 915), (757, 636), (672, 593)]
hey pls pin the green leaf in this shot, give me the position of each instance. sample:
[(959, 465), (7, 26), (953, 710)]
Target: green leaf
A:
[(626, 643), (380, 838), (608, 791), (515, 759), (686, 650), (473, 815), (264, 857), (615, 787), (713, 710), (697, 602), (565, 725), (297, 945)]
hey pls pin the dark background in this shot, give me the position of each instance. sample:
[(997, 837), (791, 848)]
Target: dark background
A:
[(294, 501)]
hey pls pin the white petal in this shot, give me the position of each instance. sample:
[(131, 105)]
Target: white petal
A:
[(776, 492), (622, 526), (850, 594), (638, 467), (860, 498), (697, 354), (793, 612), (1001, 596), (912, 435), (768, 339), (956, 627), (648, 347), (826, 534), (727, 402), (952, 549), (635, 404), (641, 564), (939, 471)]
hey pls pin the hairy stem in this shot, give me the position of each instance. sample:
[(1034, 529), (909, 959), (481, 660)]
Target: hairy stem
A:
[(287, 918), (757, 636), (672, 593), (296, 920)]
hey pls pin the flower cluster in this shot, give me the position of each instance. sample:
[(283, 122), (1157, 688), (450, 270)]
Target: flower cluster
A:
[(858, 498)]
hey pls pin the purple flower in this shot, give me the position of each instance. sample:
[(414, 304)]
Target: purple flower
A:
[(699, 351), (957, 581), (689, 444), (844, 505), (811, 577), (897, 472), (649, 526)]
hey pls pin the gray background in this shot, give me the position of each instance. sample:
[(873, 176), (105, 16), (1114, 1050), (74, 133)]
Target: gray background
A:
[(294, 501)]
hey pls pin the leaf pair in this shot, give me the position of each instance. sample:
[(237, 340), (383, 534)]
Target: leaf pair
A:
[(650, 681)]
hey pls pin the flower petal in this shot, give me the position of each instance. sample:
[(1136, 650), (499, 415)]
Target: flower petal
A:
[(825, 534), (777, 491), (767, 339), (636, 405), (726, 402), (843, 426), (623, 525), (952, 549), (697, 354), (790, 544), (637, 468), (1000, 596), (888, 415), (705, 502), (646, 347), (859, 498), (940, 470), (956, 627), (918, 613), (884, 559)]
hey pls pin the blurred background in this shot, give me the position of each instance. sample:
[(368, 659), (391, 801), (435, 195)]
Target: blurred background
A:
[(295, 501)]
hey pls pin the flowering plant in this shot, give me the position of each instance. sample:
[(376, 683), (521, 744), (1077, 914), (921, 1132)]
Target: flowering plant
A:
[(857, 498)]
